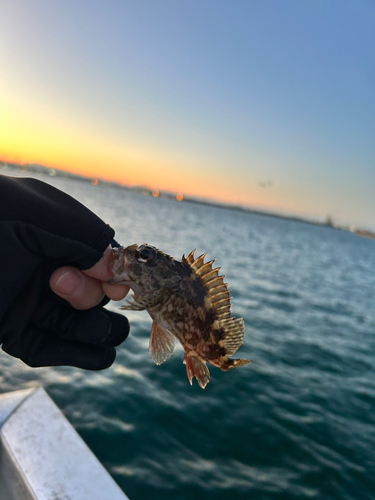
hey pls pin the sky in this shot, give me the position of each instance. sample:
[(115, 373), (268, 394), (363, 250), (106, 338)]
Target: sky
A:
[(268, 104)]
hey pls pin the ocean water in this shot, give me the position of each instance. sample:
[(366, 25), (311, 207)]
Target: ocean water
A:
[(297, 423)]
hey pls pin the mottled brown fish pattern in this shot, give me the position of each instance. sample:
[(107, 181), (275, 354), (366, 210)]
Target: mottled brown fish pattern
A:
[(187, 300)]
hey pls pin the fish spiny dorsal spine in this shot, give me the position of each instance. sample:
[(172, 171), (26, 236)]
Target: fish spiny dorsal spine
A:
[(205, 269), (216, 289), (217, 294), (198, 263), (190, 258)]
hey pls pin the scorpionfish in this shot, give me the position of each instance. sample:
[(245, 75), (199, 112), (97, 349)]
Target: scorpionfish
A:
[(187, 300)]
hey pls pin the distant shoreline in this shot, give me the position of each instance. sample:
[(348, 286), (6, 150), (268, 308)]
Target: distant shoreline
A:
[(52, 172)]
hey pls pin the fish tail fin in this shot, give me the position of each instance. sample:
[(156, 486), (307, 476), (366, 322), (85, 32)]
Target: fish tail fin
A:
[(234, 363)]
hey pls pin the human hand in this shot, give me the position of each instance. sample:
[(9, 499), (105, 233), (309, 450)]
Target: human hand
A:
[(86, 289), (55, 260)]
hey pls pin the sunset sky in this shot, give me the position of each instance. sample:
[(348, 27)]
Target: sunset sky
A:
[(264, 103)]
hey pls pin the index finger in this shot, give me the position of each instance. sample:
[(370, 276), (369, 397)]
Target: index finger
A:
[(115, 292), (102, 270)]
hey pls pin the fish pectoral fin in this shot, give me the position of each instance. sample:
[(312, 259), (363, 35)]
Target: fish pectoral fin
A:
[(161, 343), (198, 369), (137, 303), (132, 306)]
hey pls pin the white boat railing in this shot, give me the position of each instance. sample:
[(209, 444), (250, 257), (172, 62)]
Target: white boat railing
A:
[(42, 457)]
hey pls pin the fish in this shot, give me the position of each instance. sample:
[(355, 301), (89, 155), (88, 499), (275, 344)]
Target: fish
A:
[(187, 301)]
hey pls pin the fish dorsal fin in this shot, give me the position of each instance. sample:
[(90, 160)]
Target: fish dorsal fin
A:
[(204, 269), (189, 259), (198, 263), (234, 330), (212, 279), (161, 343), (216, 289), (218, 293)]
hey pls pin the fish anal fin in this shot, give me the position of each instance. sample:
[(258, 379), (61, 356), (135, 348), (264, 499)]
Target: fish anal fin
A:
[(198, 369), (161, 343)]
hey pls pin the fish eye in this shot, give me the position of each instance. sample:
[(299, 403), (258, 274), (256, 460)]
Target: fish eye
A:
[(146, 254)]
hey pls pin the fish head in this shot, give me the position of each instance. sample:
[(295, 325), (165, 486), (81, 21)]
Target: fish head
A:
[(144, 268)]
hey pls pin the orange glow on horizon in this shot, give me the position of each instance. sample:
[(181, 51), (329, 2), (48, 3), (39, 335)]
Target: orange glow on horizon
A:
[(25, 138), (210, 192), (124, 176)]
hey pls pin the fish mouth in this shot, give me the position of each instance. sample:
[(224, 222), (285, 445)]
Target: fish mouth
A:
[(118, 279), (120, 276)]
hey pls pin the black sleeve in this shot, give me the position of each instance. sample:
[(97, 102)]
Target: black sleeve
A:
[(42, 228)]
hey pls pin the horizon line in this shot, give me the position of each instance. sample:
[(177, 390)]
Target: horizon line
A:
[(97, 181)]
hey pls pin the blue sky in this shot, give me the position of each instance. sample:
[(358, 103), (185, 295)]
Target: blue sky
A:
[(268, 104)]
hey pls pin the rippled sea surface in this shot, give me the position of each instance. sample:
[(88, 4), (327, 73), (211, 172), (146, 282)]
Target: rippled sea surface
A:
[(298, 422)]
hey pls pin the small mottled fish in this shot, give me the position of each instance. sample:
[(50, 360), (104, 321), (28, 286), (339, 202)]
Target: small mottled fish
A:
[(187, 300)]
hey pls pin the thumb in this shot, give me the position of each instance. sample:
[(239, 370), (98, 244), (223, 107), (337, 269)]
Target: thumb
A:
[(73, 285)]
